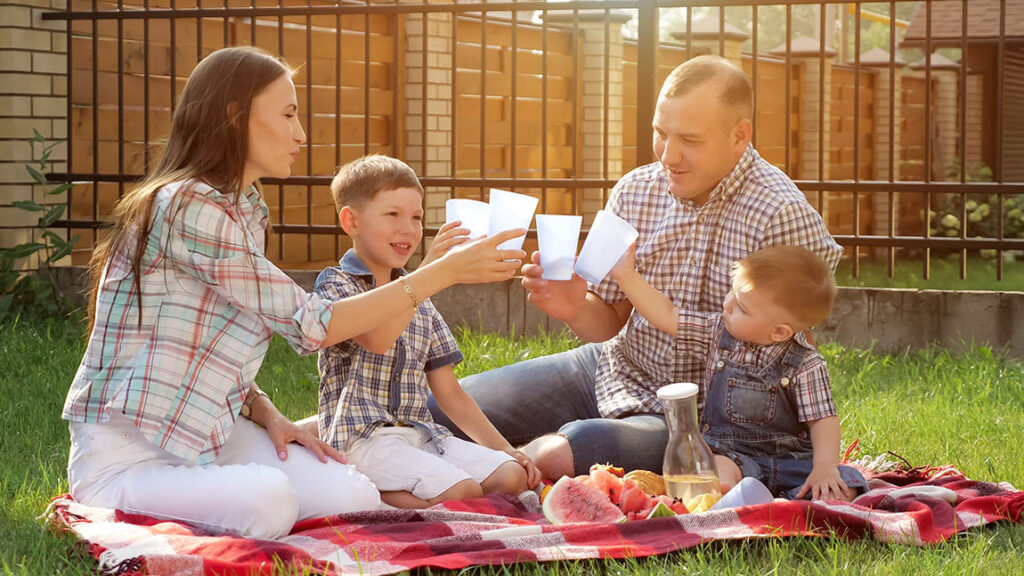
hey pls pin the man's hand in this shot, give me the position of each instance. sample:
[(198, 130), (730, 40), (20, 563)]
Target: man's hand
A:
[(823, 482), (561, 300)]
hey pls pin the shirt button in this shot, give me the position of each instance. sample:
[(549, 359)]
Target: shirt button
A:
[(720, 364), (693, 261), (784, 382), (707, 427)]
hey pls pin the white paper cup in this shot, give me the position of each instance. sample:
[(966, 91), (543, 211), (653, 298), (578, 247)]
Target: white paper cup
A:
[(557, 238), (510, 210), (747, 492), (607, 241), (473, 214)]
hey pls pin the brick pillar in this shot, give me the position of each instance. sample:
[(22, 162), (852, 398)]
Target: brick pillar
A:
[(33, 74), (591, 101), (946, 76), (815, 113), (428, 99), (879, 59), (706, 34)]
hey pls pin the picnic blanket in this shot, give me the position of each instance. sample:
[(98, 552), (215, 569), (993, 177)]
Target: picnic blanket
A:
[(914, 507)]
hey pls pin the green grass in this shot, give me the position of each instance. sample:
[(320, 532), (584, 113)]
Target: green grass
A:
[(930, 407), (945, 273)]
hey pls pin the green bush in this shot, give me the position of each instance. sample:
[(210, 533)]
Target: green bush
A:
[(19, 291)]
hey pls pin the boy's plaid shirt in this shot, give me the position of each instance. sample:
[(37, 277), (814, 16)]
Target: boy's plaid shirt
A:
[(686, 252), (360, 390), (211, 302)]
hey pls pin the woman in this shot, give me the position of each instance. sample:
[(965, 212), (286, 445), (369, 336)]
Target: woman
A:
[(184, 305)]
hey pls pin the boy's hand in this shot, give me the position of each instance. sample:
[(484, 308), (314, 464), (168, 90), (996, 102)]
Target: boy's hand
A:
[(825, 482), (448, 236), (533, 474)]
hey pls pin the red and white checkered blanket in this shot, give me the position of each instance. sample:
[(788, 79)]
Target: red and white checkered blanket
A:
[(916, 507)]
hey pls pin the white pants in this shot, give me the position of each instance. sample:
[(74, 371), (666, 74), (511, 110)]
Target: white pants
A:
[(247, 491)]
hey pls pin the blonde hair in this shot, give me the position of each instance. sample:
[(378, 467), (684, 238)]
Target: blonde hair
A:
[(735, 93), (360, 180), (796, 279)]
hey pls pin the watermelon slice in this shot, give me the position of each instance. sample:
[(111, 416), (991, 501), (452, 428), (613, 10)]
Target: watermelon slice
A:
[(572, 501), (661, 510)]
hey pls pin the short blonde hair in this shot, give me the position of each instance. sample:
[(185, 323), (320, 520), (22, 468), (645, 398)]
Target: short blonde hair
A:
[(796, 279), (735, 91), (360, 180)]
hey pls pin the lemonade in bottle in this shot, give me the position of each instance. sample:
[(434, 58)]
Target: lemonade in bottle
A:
[(689, 466)]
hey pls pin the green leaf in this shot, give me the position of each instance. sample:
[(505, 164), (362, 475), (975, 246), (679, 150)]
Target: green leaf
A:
[(36, 174), (62, 188), (51, 146), (44, 158), (74, 239), (23, 250), (29, 205), (52, 215), (57, 240), (37, 137), (61, 252)]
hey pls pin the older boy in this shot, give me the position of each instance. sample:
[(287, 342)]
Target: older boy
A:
[(374, 387), (767, 403)]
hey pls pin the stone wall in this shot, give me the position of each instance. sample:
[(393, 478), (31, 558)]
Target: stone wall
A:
[(889, 320)]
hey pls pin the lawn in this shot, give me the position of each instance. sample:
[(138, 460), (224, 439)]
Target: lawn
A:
[(908, 272), (930, 407)]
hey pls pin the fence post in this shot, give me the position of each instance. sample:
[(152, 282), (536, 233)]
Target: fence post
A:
[(707, 37), (33, 73), (600, 101), (428, 100), (879, 59)]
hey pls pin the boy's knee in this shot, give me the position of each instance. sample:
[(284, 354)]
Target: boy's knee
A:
[(509, 478), (462, 490), (552, 455)]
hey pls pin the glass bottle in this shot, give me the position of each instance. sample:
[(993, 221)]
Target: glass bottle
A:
[(689, 467)]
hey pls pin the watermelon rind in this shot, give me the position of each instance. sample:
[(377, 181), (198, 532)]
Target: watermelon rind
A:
[(572, 501), (660, 511)]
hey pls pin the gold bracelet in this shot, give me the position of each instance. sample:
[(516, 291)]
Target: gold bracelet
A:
[(407, 288)]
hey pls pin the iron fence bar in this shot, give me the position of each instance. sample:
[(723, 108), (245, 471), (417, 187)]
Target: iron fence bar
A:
[(646, 76), (95, 119), (721, 31), (120, 100), (544, 109), (513, 99), (366, 86), (174, 59), (339, 70), (145, 91), (605, 104), (574, 169), (310, 145), (689, 34), (821, 108), (280, 187), (789, 81), (753, 73), (963, 134), (929, 131), (1004, 189), (856, 138), (483, 99), (252, 25), (199, 32), (891, 205), (455, 99), (69, 130), (1000, 216)]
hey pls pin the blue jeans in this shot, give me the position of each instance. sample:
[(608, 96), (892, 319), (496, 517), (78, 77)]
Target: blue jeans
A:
[(555, 394)]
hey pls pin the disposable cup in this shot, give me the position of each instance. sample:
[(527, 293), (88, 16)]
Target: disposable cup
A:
[(473, 214), (510, 210), (607, 241), (747, 492), (557, 238)]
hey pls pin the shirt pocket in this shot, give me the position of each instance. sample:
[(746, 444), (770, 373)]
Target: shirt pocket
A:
[(750, 401)]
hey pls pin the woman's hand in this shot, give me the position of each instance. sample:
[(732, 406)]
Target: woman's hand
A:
[(448, 236), (480, 261), (533, 474), (283, 431)]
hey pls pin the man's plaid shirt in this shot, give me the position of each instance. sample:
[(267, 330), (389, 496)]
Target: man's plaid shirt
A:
[(686, 252), (211, 302), (360, 390)]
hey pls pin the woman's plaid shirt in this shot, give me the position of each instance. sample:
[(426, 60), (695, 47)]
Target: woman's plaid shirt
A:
[(360, 390), (686, 252), (211, 302)]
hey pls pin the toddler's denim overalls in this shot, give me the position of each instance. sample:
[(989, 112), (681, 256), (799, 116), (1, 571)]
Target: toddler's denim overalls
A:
[(750, 417)]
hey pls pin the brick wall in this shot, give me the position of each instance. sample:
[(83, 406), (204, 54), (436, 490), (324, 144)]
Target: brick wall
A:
[(33, 96)]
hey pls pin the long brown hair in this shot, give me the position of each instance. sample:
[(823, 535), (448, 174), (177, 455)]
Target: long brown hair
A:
[(208, 141)]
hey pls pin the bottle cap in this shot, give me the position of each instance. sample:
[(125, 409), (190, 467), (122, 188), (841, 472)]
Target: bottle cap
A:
[(677, 391)]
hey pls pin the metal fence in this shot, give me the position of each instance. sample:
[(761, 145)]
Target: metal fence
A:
[(551, 99)]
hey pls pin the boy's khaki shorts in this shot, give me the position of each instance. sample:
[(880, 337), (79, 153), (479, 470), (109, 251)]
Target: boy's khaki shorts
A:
[(406, 459)]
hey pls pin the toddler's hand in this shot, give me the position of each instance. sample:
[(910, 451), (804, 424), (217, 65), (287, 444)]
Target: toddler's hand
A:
[(533, 475), (448, 236), (825, 482)]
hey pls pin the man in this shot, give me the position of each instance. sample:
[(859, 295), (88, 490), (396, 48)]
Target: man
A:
[(708, 201)]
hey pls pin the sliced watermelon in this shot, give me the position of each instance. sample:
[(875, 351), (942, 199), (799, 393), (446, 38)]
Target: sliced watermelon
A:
[(660, 510), (572, 501), (633, 498), (606, 482)]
